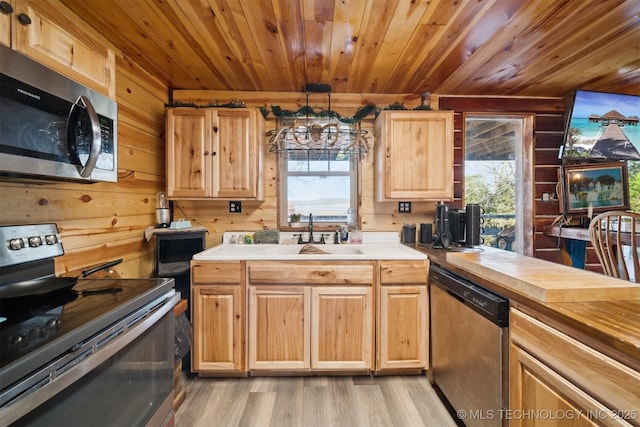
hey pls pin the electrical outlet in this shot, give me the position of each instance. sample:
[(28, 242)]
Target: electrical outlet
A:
[(235, 207), (547, 197), (404, 207)]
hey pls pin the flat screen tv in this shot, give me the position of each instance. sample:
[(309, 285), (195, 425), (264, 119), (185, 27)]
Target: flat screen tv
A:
[(602, 126)]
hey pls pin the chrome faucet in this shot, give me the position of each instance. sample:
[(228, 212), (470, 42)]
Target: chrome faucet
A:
[(311, 228)]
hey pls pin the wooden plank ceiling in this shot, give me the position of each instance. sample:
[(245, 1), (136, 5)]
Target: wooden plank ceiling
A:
[(466, 47)]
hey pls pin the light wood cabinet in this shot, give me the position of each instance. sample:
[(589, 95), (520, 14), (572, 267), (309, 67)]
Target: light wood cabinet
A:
[(555, 374), (39, 30), (7, 17), (214, 153), (279, 330), (311, 315), (342, 328), (403, 316), (414, 155), (217, 297)]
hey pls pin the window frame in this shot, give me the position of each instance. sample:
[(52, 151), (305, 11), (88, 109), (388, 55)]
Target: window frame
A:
[(282, 199), (525, 174)]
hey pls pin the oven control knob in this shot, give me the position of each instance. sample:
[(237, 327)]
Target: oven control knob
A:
[(51, 239), (16, 340), (42, 332), (35, 241), (16, 244), (53, 323)]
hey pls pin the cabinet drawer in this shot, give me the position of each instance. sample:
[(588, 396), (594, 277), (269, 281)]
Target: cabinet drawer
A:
[(216, 272), (311, 273), (604, 378), (403, 272)]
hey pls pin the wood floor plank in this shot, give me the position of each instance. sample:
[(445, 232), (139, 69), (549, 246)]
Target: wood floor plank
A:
[(372, 407), (226, 402), (258, 409), (315, 403), (289, 406), (340, 401)]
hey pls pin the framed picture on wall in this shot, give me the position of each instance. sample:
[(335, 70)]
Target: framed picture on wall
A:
[(603, 186)]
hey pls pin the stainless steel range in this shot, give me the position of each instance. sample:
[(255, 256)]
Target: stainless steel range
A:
[(74, 349)]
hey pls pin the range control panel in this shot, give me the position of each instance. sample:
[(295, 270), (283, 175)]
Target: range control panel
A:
[(24, 243)]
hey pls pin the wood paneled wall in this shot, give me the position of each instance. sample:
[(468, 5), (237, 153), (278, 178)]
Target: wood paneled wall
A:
[(384, 216), (548, 135), (375, 216), (105, 221)]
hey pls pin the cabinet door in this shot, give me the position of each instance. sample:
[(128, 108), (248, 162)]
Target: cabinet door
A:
[(6, 20), (342, 328), (536, 389), (217, 328), (236, 153), (415, 155), (188, 152), (550, 370), (47, 40), (279, 327), (403, 332)]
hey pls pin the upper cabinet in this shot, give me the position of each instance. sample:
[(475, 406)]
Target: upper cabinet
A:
[(43, 33), (214, 153), (414, 155)]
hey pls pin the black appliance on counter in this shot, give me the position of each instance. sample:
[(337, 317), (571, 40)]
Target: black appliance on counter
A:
[(442, 238), (74, 350), (458, 226)]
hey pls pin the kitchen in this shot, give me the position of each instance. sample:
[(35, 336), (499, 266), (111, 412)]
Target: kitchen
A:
[(104, 221)]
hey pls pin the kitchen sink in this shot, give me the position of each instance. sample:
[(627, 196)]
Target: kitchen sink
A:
[(330, 250)]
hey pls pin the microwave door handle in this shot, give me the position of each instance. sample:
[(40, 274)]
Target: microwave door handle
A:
[(96, 140)]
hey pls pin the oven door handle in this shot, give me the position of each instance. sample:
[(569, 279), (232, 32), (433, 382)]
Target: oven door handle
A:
[(96, 134)]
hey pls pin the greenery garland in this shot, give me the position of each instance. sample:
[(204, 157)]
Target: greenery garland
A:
[(306, 110)]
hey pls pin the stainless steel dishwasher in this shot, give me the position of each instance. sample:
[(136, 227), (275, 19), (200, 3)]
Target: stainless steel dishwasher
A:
[(469, 347)]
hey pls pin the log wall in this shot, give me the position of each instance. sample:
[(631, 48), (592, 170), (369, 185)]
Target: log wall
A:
[(548, 136), (105, 221), (375, 216)]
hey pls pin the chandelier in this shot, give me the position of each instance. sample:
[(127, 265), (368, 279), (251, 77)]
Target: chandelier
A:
[(323, 132)]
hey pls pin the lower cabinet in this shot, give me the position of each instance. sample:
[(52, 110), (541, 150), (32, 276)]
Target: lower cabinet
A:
[(555, 378), (403, 316), (342, 328), (218, 301), (311, 316), (279, 331), (358, 316)]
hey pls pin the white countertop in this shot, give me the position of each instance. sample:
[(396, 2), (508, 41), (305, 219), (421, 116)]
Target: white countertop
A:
[(375, 246)]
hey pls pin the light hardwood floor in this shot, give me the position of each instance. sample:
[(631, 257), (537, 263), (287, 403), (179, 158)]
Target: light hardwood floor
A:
[(406, 401)]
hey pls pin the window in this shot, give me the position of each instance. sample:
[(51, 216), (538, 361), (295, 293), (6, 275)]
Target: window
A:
[(320, 181), (498, 173)]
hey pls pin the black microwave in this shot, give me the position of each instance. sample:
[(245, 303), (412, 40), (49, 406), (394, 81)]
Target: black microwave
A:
[(53, 128)]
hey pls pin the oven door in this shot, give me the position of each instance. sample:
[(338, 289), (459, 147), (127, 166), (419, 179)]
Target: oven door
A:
[(122, 376)]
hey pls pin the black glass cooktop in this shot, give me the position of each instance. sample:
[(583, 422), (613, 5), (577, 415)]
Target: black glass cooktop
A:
[(35, 330)]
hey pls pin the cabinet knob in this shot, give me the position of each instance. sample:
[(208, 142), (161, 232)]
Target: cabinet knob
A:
[(215, 129), (5, 7), (213, 154), (206, 153), (24, 19)]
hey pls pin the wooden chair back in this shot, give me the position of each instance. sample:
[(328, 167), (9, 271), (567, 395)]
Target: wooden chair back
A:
[(611, 242)]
